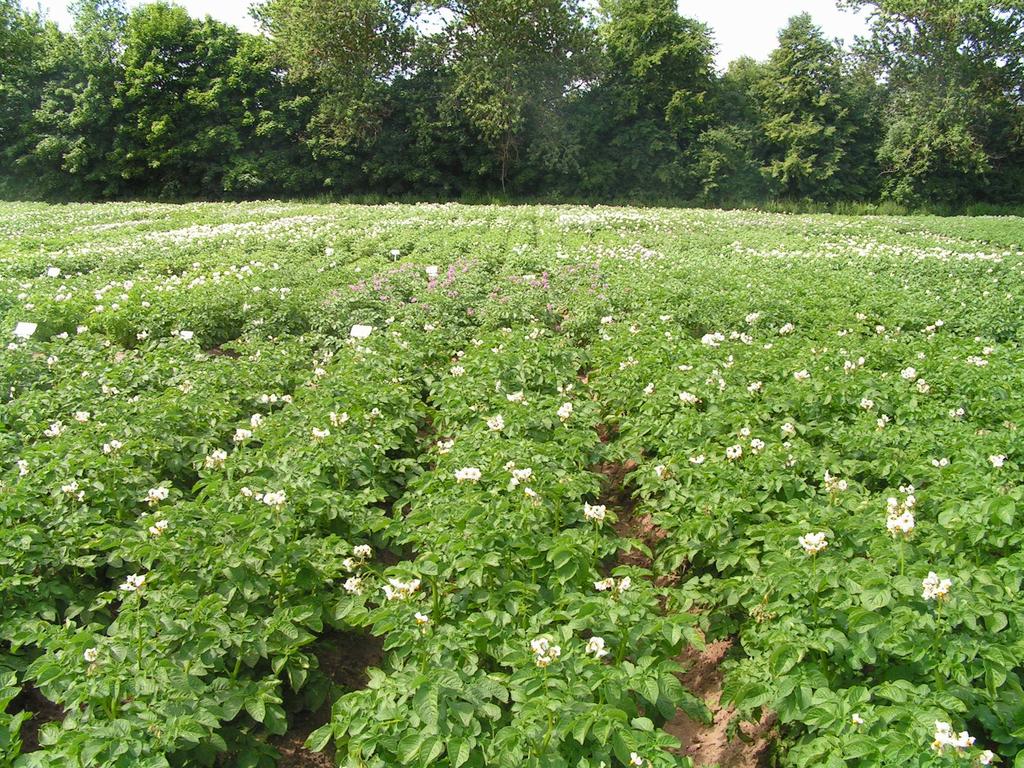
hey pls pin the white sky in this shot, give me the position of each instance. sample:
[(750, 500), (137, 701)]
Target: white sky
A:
[(741, 27)]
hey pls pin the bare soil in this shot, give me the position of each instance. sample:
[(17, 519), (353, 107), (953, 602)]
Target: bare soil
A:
[(45, 711), (344, 657), (709, 745)]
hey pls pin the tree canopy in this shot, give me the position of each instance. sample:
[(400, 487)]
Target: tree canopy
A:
[(532, 98)]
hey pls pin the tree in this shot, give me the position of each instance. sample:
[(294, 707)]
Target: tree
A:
[(805, 113), (514, 64), (76, 121), (27, 63), (194, 100), (349, 52), (955, 122), (650, 104), (731, 151)]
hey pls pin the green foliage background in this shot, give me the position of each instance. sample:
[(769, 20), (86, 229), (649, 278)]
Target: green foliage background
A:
[(523, 99)]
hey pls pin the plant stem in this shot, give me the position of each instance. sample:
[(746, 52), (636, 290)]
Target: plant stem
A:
[(551, 718), (814, 588), (138, 631)]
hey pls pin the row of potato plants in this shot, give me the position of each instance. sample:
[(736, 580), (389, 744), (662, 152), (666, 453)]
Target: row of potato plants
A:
[(211, 473), (845, 496)]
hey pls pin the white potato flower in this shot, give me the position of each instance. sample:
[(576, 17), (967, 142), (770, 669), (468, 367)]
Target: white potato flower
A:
[(834, 484), (688, 398), (133, 583), (544, 651), (470, 474), (596, 646), (397, 589), (934, 588), (813, 543), (156, 495), (901, 524), (275, 499), (215, 459), (945, 737)]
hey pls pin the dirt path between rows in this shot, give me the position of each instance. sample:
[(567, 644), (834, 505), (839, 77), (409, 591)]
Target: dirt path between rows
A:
[(709, 745)]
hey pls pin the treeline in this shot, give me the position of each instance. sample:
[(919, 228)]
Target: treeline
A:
[(531, 98)]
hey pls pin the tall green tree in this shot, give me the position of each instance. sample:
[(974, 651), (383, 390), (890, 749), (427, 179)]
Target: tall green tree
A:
[(730, 152), (76, 120), (514, 64), (182, 113), (805, 112), (954, 123), (269, 115), (349, 53), (29, 60), (652, 99)]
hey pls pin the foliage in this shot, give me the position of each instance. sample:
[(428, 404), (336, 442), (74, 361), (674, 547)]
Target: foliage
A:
[(954, 122), (535, 453), (544, 99)]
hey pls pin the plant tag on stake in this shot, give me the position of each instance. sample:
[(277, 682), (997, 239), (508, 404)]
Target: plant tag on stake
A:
[(360, 331), (432, 271), (24, 330)]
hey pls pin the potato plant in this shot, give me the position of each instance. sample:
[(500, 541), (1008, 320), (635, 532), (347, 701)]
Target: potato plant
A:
[(535, 454)]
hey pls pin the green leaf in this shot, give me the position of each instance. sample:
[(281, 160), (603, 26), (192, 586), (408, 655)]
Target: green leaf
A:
[(319, 738), (256, 708), (409, 746), (642, 724), (458, 751)]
